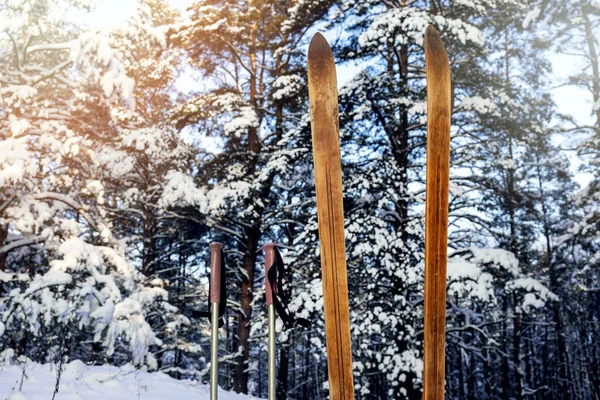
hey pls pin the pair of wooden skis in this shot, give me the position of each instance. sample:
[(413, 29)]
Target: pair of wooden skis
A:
[(322, 86), (323, 95)]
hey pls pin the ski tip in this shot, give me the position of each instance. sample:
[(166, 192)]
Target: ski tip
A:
[(431, 31), (433, 41), (319, 48), (436, 57)]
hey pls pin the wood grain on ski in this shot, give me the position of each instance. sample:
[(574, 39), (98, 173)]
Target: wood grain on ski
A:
[(323, 94), (436, 213)]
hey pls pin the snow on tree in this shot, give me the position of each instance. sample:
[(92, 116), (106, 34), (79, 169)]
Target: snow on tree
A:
[(109, 196), (249, 57), (571, 28), (383, 123), (65, 276)]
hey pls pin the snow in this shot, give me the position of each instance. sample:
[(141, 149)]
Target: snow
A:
[(531, 16), (14, 161), (500, 257), (537, 295), (181, 189), (95, 47), (469, 280), (17, 92), (216, 25), (50, 278), (4, 277), (103, 277), (241, 123), (479, 104), (80, 381), (17, 126), (406, 25), (395, 20), (287, 86), (474, 277)]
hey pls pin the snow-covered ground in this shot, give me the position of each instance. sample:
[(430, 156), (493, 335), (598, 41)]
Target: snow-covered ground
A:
[(79, 381)]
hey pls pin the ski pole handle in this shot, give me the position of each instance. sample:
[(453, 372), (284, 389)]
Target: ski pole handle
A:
[(215, 272), (270, 256), (270, 292)]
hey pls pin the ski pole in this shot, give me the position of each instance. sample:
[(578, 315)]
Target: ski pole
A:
[(275, 300), (439, 111), (216, 262), (270, 289)]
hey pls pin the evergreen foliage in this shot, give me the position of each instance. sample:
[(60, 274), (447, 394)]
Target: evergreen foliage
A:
[(114, 178)]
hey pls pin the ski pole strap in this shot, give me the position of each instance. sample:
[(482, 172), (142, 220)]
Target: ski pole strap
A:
[(217, 287), (274, 289)]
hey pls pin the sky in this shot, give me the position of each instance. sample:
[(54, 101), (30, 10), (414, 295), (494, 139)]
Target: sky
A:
[(569, 100), (111, 13)]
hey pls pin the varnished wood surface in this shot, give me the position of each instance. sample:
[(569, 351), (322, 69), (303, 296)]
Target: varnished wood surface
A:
[(323, 94), (436, 213)]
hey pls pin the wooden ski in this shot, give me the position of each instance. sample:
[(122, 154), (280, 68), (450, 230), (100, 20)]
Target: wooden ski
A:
[(323, 95), (439, 103)]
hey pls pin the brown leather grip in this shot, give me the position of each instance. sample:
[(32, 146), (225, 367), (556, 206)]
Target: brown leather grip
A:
[(269, 250), (215, 271)]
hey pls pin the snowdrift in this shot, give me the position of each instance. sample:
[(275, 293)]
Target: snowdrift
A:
[(33, 381)]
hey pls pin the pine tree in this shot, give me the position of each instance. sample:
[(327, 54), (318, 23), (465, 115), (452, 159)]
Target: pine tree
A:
[(572, 28), (67, 279), (248, 55), (140, 163), (384, 129)]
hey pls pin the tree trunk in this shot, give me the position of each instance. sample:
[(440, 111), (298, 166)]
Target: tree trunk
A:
[(487, 373), (282, 373), (593, 57), (517, 355), (252, 234), (505, 363), (247, 295), (561, 351), (3, 236), (305, 380), (591, 366), (461, 374), (472, 376), (149, 243), (3, 256)]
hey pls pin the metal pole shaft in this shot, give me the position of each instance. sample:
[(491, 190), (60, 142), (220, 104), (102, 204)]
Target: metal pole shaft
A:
[(272, 378), (214, 352)]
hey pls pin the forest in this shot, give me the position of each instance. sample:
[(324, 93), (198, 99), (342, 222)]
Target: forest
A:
[(124, 152)]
